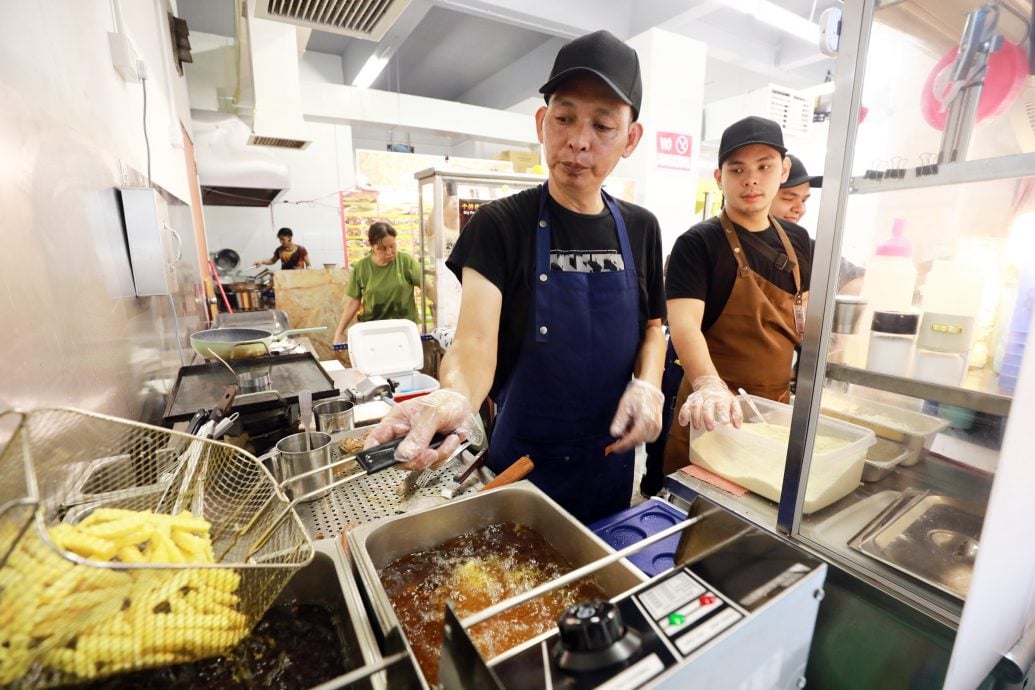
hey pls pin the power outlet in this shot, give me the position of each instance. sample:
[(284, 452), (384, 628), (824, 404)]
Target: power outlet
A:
[(123, 57), (830, 31)]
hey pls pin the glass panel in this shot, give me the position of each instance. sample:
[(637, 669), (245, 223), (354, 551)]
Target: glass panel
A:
[(936, 285), (441, 226)]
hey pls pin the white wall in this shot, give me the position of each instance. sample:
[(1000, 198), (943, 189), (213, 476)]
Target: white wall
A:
[(71, 132)]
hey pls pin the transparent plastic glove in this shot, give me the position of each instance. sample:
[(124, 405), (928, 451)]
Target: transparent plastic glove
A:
[(638, 419), (711, 403), (418, 419)]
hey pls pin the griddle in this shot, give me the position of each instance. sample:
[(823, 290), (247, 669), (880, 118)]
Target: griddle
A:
[(201, 386)]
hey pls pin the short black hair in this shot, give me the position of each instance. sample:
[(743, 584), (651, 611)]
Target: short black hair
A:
[(285, 232), (378, 231)]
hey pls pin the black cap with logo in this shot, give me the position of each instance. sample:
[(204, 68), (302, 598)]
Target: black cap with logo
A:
[(799, 175), (602, 54), (750, 130)]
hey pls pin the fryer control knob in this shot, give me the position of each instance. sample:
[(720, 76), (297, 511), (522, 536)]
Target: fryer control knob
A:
[(592, 636)]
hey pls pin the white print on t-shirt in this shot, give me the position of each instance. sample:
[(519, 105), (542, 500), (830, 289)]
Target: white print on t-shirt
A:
[(603, 261)]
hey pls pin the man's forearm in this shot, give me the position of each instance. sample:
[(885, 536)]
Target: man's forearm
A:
[(650, 360), (692, 350), (468, 367)]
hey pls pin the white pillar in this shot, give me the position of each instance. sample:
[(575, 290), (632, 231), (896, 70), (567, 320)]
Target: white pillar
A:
[(673, 101)]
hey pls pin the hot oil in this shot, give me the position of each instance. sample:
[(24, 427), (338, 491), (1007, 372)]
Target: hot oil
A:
[(474, 571)]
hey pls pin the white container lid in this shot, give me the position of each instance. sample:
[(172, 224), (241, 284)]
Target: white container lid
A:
[(383, 348)]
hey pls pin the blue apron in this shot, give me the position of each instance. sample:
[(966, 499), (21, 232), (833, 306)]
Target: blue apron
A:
[(575, 362)]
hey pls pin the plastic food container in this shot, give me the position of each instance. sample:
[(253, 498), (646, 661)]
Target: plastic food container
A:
[(756, 462), (391, 348), (636, 524), (915, 431)]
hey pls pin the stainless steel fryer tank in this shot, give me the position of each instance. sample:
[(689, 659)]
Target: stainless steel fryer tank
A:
[(374, 545)]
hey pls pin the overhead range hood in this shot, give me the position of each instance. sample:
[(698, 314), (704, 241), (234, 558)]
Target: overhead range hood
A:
[(231, 172)]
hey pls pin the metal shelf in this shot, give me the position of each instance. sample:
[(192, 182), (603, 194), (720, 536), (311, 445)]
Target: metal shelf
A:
[(984, 170), (980, 401)]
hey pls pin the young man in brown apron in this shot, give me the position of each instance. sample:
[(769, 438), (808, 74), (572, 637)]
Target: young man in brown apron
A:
[(736, 289)]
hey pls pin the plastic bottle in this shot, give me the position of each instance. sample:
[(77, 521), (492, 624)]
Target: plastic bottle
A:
[(887, 286)]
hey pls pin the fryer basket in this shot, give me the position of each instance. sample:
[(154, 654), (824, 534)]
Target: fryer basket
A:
[(70, 610)]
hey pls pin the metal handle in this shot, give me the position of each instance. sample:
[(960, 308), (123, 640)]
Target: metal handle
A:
[(179, 241)]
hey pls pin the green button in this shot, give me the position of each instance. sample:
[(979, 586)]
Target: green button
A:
[(676, 619)]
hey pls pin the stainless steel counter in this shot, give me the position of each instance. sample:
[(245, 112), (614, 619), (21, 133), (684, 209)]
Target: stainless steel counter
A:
[(827, 532)]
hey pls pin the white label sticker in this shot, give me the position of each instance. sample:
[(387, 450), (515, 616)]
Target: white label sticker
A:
[(664, 598), (706, 631), (636, 675), (678, 621)]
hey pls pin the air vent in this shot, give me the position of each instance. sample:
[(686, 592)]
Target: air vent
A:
[(237, 196), (276, 142), (368, 19)]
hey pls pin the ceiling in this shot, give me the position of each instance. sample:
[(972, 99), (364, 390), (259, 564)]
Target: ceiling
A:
[(496, 53)]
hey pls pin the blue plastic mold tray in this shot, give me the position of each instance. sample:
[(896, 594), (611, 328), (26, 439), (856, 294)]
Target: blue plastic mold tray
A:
[(635, 524)]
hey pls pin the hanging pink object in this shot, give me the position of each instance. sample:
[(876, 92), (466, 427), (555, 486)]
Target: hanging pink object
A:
[(1007, 71)]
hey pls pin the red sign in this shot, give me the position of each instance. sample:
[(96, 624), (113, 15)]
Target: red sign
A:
[(674, 150)]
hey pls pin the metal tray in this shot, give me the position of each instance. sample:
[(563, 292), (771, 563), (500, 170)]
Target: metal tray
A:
[(201, 385), (933, 538), (375, 545)]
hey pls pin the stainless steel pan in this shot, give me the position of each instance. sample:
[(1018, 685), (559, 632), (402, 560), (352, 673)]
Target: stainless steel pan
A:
[(240, 343)]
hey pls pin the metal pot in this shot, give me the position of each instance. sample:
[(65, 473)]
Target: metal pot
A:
[(290, 458), (249, 295), (240, 343), (334, 415)]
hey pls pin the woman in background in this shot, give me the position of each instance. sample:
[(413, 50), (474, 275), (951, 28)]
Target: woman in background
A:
[(381, 285), (290, 255)]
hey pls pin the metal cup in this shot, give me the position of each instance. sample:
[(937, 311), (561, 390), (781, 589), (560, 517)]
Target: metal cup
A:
[(334, 415), (847, 311), (291, 458), (254, 381)]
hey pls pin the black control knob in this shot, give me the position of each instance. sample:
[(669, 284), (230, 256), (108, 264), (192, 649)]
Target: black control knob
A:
[(593, 636)]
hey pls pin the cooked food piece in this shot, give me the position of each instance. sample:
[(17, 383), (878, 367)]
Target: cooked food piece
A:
[(352, 445), (474, 571)]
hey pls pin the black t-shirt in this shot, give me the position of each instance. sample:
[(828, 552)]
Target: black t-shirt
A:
[(702, 265), (499, 243)]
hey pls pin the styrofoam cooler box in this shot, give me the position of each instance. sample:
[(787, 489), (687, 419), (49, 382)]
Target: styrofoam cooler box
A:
[(636, 524), (754, 455), (392, 349)]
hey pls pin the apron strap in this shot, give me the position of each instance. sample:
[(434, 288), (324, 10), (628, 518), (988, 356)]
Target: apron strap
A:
[(790, 254), (743, 270)]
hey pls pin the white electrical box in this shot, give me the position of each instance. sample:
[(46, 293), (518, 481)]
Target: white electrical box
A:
[(148, 237), (791, 110)]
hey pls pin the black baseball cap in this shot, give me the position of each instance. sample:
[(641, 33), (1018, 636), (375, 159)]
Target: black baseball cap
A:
[(750, 130), (602, 54), (799, 175)]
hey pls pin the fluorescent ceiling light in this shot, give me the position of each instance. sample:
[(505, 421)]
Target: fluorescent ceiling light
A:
[(774, 15), (371, 70)]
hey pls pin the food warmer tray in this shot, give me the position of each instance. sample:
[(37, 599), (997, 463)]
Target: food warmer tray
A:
[(930, 537), (200, 386)]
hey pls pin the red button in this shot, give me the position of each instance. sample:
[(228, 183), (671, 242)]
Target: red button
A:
[(706, 600)]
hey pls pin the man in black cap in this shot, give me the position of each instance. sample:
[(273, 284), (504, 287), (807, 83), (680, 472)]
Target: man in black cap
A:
[(789, 203), (736, 289), (562, 304)]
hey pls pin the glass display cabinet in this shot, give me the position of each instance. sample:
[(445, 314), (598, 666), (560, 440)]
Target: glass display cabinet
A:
[(448, 199), (907, 463)]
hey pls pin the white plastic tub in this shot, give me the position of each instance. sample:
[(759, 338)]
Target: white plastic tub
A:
[(757, 462), (414, 385)]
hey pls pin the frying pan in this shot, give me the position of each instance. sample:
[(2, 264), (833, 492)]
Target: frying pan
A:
[(240, 343)]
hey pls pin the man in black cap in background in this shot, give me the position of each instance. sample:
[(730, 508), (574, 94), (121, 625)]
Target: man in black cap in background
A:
[(736, 289), (562, 304)]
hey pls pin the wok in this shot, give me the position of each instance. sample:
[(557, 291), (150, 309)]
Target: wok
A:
[(240, 343)]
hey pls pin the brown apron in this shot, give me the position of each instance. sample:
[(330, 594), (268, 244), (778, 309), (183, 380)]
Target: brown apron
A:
[(751, 343)]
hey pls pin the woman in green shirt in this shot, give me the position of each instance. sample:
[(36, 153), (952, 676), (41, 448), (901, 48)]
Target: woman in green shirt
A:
[(381, 284)]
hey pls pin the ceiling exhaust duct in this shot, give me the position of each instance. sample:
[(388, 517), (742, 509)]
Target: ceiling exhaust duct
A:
[(368, 19), (230, 172), (271, 50)]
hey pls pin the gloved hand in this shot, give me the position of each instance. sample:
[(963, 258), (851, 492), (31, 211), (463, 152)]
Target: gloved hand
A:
[(711, 403), (638, 419), (418, 419)]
